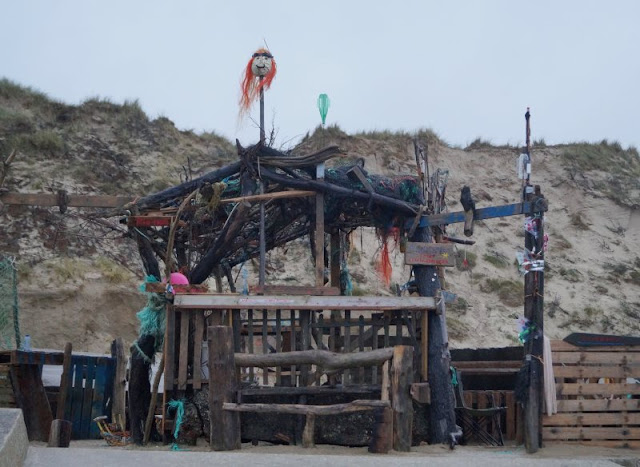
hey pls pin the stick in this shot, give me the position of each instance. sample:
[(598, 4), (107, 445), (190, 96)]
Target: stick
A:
[(152, 405)]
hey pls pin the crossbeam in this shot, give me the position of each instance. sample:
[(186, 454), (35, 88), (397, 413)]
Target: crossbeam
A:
[(481, 214), (75, 201), (304, 302)]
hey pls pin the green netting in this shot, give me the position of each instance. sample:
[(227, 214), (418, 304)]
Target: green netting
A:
[(9, 323), (323, 106), (153, 316)]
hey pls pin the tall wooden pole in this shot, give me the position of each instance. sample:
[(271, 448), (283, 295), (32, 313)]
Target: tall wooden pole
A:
[(263, 241), (534, 313)]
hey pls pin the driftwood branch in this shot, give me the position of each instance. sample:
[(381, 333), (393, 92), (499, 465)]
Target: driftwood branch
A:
[(298, 409), (327, 360)]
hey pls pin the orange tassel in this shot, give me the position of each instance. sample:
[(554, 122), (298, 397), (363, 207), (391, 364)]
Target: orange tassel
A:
[(251, 85), (384, 266)]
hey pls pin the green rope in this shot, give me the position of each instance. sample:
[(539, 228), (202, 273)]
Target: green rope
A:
[(179, 406), (153, 316)]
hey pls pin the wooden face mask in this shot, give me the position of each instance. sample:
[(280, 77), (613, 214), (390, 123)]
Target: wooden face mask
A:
[(258, 75)]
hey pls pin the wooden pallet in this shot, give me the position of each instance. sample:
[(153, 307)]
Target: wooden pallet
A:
[(596, 404)]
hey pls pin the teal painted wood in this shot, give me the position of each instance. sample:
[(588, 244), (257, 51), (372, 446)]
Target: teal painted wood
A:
[(87, 395), (78, 365), (481, 214), (98, 402)]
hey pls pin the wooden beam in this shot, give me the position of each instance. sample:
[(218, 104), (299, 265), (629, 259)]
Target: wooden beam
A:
[(481, 214), (290, 302), (76, 201), (324, 358), (288, 194), (599, 405), (294, 290), (298, 409)]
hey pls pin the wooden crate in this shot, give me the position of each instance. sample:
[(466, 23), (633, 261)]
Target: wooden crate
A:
[(597, 405)]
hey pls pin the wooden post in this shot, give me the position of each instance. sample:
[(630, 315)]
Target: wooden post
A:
[(65, 379), (401, 403), (382, 436), (320, 230), (60, 434), (442, 419), (533, 311), (118, 413), (225, 425), (309, 431)]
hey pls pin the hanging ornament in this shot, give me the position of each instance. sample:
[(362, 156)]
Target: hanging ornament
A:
[(323, 106), (258, 75)]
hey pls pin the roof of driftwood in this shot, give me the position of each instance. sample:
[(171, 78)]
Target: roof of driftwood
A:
[(211, 226)]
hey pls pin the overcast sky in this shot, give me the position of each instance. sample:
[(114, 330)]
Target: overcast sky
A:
[(466, 69)]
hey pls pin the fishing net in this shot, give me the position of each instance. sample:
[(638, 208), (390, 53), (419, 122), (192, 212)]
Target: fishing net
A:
[(9, 323), (153, 316)]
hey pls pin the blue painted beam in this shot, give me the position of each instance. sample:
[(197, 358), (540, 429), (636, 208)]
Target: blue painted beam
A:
[(481, 214)]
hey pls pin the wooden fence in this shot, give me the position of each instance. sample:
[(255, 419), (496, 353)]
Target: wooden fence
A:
[(510, 420), (285, 327), (598, 400)]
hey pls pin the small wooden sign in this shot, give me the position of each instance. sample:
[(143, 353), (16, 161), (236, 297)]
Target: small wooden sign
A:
[(149, 221), (429, 254)]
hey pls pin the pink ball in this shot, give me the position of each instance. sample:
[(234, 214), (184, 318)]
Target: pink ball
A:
[(177, 278)]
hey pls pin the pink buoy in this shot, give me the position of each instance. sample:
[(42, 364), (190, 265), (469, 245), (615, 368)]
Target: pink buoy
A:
[(177, 278)]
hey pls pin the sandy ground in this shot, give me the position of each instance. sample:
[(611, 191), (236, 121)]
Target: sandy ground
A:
[(560, 455)]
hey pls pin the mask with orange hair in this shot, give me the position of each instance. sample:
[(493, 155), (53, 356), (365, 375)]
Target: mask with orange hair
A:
[(258, 75)]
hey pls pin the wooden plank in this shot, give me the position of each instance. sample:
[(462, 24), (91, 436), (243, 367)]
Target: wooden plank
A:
[(293, 290), (87, 398), (401, 403), (594, 418), (429, 254), (118, 408), (250, 343), (46, 199), (161, 287), (65, 382), (595, 389), (510, 402), (464, 365), (197, 349), (480, 214), (224, 425), (621, 444), (319, 229), (36, 357), (562, 346), (78, 362), (290, 302), (310, 390), (183, 359), (298, 409), (288, 194), (609, 358), (598, 405), (170, 346), (562, 433), (265, 347), (600, 371), (421, 392)]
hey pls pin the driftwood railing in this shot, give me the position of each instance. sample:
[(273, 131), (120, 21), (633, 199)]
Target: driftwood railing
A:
[(395, 406), (271, 325)]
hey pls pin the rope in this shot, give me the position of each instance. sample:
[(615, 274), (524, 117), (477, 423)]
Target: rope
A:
[(179, 406), (144, 356)]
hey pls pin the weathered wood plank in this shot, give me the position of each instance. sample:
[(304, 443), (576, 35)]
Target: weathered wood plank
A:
[(598, 405), (624, 444), (170, 349), (224, 425), (310, 390), (595, 389), (562, 346), (31, 397), (429, 254), (601, 433), (594, 418), (46, 199), (183, 358), (293, 290), (609, 358), (288, 194), (401, 403), (87, 398), (298, 409), (600, 371), (480, 214), (197, 350), (65, 382), (209, 301), (118, 409)]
